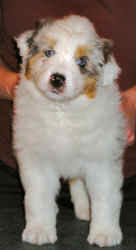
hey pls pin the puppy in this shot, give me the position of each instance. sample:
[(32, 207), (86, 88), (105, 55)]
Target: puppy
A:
[(68, 124)]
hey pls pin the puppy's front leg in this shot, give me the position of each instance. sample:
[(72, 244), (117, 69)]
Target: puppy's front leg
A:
[(41, 187), (104, 184)]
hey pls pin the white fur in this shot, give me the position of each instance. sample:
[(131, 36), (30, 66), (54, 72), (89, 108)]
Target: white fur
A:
[(70, 136)]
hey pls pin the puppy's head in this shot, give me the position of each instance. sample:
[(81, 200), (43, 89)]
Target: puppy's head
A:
[(65, 58)]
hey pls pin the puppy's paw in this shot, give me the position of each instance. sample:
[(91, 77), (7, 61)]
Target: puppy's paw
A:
[(105, 239), (39, 234)]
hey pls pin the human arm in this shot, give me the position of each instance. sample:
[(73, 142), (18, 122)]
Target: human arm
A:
[(128, 106)]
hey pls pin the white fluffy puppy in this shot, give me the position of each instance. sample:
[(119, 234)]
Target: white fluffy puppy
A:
[(68, 124)]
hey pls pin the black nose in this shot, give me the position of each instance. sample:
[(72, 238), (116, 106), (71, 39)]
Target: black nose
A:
[(57, 80)]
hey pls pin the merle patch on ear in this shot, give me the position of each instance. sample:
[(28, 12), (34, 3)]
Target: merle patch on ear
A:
[(38, 25), (107, 49)]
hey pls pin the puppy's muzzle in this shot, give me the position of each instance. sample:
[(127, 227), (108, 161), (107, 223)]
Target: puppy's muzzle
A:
[(57, 82)]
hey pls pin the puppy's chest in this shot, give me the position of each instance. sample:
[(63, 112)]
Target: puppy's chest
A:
[(66, 130), (65, 126), (64, 139)]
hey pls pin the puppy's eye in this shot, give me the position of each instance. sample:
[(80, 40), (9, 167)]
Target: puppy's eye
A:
[(100, 64), (82, 61), (49, 52)]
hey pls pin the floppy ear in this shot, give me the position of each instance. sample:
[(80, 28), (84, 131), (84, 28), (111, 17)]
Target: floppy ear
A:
[(107, 46), (23, 44), (111, 72), (25, 41)]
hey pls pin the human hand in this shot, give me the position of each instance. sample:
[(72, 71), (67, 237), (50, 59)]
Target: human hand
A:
[(128, 106), (8, 82)]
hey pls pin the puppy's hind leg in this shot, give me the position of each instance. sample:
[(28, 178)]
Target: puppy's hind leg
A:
[(80, 199)]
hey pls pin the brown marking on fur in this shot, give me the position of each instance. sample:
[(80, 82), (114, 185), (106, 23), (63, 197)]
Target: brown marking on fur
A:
[(90, 87), (73, 180), (81, 51), (32, 60), (51, 42)]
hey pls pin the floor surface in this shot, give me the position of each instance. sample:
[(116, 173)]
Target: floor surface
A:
[(72, 233)]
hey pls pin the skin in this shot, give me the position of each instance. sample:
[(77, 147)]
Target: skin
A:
[(8, 81), (128, 105)]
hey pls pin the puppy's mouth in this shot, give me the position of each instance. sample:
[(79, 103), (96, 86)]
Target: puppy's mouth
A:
[(57, 91)]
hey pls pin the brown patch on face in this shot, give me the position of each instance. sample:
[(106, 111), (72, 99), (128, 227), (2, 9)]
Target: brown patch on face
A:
[(51, 42), (90, 87), (81, 51), (32, 60), (73, 180)]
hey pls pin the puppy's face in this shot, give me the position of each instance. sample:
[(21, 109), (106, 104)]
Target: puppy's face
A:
[(64, 58)]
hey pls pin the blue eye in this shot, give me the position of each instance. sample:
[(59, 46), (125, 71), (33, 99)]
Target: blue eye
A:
[(49, 52), (82, 61)]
